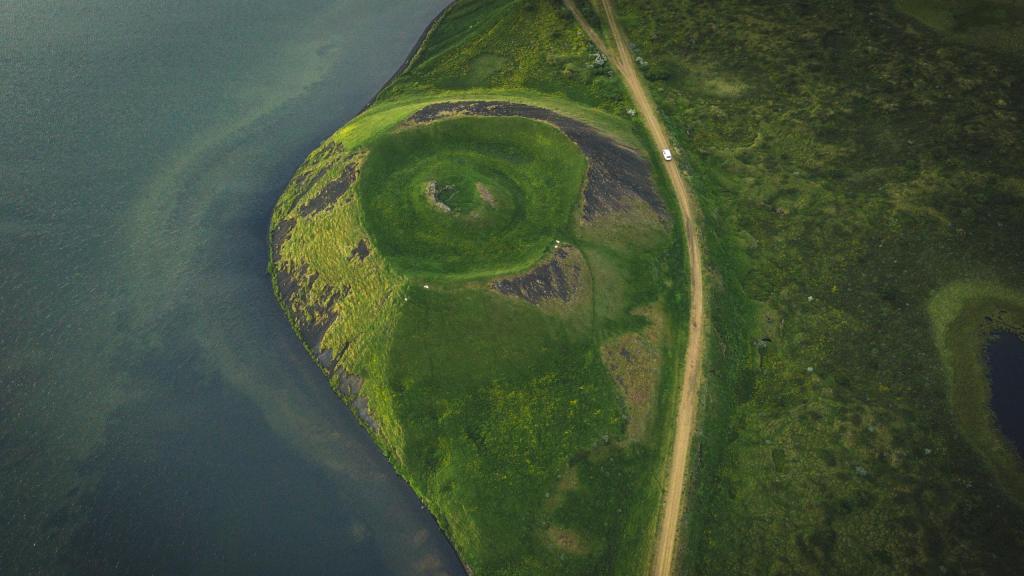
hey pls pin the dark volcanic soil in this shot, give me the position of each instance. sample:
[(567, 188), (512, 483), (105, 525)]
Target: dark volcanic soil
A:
[(312, 318), (279, 235), (559, 278), (615, 173), (331, 192), (361, 251)]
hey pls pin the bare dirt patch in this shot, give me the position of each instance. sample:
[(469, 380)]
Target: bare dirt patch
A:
[(566, 540), (431, 193), (485, 194), (569, 481)]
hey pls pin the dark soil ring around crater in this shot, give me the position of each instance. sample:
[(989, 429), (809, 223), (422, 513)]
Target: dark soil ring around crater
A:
[(614, 173)]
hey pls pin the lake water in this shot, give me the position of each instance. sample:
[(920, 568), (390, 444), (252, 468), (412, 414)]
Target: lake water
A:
[(156, 413), (1006, 371)]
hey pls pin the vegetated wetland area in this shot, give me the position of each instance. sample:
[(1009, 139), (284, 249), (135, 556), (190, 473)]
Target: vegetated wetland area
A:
[(513, 336), (489, 265)]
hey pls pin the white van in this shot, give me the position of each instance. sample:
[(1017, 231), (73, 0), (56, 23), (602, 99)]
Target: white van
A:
[(666, 154)]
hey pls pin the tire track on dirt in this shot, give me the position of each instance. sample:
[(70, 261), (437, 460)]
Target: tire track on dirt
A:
[(686, 413)]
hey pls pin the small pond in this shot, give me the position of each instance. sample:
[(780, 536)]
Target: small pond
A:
[(1005, 355)]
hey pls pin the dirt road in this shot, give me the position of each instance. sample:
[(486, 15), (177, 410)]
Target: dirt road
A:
[(686, 414)]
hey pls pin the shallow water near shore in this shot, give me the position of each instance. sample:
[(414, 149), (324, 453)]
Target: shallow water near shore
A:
[(157, 415), (1005, 356)]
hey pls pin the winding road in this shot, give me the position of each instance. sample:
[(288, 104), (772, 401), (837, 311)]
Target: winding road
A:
[(686, 413)]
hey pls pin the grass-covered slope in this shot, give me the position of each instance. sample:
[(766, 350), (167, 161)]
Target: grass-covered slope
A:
[(852, 160), (483, 265)]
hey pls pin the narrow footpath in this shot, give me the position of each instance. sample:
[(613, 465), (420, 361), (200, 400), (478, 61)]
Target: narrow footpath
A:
[(686, 412)]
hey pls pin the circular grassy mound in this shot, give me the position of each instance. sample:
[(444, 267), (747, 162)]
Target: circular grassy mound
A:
[(470, 196)]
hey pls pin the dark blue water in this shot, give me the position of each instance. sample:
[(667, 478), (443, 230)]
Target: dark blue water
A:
[(1006, 372), (157, 416)]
